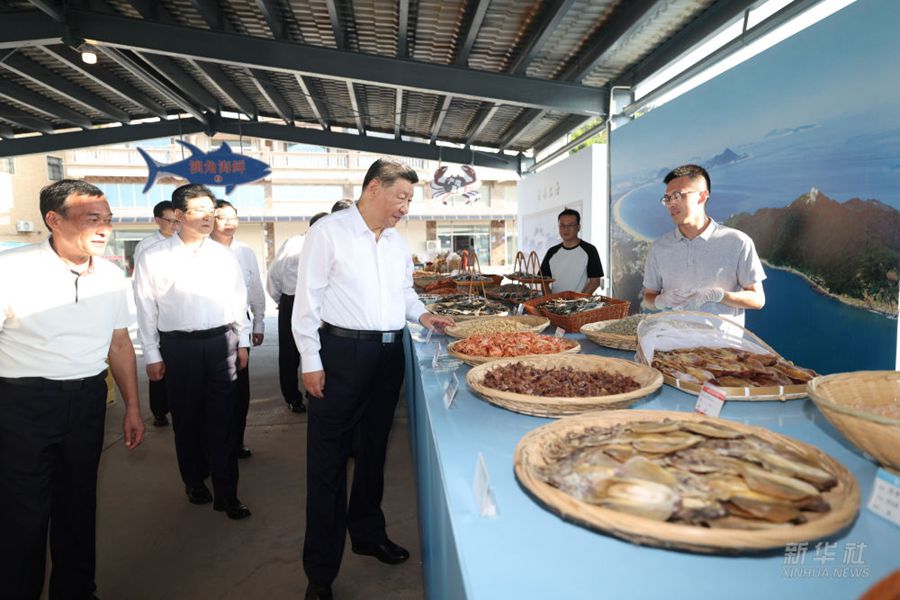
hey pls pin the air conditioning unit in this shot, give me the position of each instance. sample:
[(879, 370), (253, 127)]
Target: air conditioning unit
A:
[(433, 246), (24, 226)]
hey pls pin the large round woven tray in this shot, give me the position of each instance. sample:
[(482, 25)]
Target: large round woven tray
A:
[(479, 360), (530, 453), (649, 379), (461, 318), (595, 333), (847, 400), (757, 393), (535, 324)]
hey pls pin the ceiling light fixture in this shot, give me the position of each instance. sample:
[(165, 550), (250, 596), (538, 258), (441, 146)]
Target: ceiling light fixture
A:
[(88, 55)]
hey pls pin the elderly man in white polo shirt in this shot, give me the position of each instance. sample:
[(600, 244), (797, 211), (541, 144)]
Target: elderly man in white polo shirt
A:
[(701, 265), (63, 320)]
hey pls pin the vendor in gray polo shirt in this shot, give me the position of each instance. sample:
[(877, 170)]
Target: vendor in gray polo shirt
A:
[(701, 265)]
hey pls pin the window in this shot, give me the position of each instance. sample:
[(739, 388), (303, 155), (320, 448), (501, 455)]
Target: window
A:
[(54, 168)]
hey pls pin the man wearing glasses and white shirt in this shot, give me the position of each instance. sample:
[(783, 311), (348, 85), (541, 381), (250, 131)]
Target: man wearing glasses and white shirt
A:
[(164, 215), (192, 311), (701, 265)]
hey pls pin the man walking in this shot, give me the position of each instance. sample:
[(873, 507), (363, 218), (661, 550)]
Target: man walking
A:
[(192, 312), (63, 320), (354, 294)]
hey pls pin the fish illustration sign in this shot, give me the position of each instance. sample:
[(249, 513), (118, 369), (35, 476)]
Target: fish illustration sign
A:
[(217, 167)]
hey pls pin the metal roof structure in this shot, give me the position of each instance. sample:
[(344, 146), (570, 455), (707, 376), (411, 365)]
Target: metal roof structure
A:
[(424, 78)]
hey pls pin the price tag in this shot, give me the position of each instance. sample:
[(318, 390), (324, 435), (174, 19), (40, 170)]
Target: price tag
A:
[(435, 361), (481, 487), (450, 390), (520, 309), (710, 401), (560, 332), (428, 337), (885, 500)]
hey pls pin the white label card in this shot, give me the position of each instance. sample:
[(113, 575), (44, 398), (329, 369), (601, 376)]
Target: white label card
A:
[(482, 489), (520, 309), (885, 500), (450, 390), (437, 356), (710, 401), (560, 332), (428, 337)]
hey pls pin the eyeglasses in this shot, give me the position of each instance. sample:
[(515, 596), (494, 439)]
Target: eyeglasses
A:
[(169, 221), (568, 225), (227, 219), (677, 196), (201, 211)]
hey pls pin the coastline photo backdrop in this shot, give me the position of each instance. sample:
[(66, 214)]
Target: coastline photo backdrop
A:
[(802, 143)]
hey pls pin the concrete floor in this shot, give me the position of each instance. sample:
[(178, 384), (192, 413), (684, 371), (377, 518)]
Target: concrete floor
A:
[(153, 544)]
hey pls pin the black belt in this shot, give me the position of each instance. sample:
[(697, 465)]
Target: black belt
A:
[(385, 337), (200, 334), (62, 385)]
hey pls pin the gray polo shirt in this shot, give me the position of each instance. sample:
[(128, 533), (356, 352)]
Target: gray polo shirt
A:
[(719, 257)]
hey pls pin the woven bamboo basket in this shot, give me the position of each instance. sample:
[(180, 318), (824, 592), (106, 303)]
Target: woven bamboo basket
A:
[(532, 323), (858, 405), (595, 333), (614, 309), (533, 447), (758, 393), (479, 360), (649, 379)]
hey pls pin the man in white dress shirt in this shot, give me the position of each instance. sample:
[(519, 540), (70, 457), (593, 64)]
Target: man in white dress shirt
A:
[(223, 232), (164, 215), (354, 295), (63, 319), (192, 311)]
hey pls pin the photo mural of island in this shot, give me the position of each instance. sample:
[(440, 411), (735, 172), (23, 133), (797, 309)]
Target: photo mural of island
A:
[(802, 144)]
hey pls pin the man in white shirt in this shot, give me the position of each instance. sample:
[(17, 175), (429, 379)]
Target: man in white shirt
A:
[(354, 295), (164, 215), (281, 283), (192, 311), (701, 265), (223, 232), (63, 320)]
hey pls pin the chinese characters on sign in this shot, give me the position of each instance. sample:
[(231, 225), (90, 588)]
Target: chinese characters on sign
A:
[(821, 560)]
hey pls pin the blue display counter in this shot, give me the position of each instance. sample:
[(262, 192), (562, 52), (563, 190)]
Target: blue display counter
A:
[(528, 552)]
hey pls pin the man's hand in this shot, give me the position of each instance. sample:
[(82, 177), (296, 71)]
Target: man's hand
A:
[(314, 382), (243, 358), (133, 427), (436, 322), (672, 299), (258, 339), (700, 297), (156, 371)]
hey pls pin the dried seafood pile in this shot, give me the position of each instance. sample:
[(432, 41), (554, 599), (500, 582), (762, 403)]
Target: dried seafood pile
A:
[(465, 306), (688, 472), (467, 277), (512, 344), (626, 326), (560, 382), (562, 307), (729, 367), (525, 275), (514, 291), (484, 326)]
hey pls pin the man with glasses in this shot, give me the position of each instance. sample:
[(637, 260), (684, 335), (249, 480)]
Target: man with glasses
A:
[(63, 321), (574, 264), (164, 215), (223, 232), (701, 265), (192, 311)]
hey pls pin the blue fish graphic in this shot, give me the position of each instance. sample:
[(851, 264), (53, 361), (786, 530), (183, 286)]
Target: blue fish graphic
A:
[(217, 167)]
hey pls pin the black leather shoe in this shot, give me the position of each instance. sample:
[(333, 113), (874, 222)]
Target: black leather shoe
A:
[(318, 592), (198, 494), (388, 552), (233, 508), (297, 406), (244, 452), (162, 421)]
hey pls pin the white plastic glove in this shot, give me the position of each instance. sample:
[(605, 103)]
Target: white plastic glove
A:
[(672, 299), (702, 296)]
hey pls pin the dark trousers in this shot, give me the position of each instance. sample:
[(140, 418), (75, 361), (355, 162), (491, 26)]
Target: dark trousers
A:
[(241, 404), (288, 355), (50, 444), (159, 401), (200, 381), (362, 386)]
